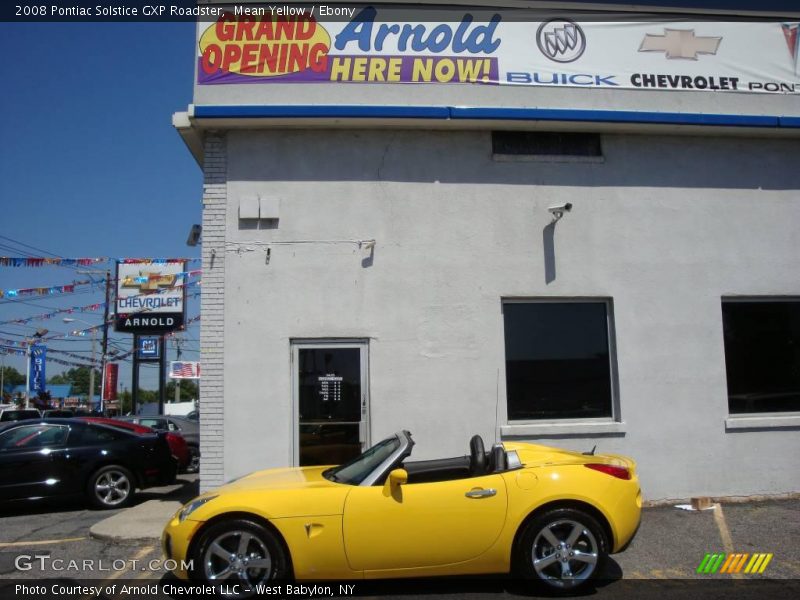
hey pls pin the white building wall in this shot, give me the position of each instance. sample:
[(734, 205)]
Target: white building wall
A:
[(665, 227)]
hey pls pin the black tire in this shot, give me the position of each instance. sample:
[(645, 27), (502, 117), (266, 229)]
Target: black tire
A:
[(562, 549), (112, 486), (261, 547), (194, 460)]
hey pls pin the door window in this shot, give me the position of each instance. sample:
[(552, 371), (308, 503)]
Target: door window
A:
[(330, 391)]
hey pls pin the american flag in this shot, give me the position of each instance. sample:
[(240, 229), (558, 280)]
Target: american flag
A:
[(184, 370)]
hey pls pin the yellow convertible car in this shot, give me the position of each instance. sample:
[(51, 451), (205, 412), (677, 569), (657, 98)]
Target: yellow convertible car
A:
[(547, 514)]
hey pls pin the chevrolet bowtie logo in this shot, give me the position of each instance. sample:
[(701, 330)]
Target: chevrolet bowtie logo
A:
[(680, 43), (149, 281)]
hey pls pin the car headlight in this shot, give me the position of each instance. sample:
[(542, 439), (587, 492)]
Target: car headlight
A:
[(193, 506)]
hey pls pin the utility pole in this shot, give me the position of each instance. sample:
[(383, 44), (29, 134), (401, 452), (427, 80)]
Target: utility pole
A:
[(28, 375), (105, 340), (178, 381), (94, 357), (104, 357)]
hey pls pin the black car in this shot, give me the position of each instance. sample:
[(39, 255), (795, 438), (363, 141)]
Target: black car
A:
[(188, 428), (68, 457)]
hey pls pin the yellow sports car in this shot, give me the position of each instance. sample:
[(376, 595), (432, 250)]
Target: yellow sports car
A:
[(547, 514)]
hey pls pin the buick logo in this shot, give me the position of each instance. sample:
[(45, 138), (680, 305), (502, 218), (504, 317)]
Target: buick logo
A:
[(561, 40)]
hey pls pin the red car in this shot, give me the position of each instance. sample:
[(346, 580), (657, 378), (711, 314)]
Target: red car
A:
[(177, 445)]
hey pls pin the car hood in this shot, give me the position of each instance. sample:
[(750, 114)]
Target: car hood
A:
[(277, 493), (281, 479), (534, 455)]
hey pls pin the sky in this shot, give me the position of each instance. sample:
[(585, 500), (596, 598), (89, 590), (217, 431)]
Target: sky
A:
[(92, 167)]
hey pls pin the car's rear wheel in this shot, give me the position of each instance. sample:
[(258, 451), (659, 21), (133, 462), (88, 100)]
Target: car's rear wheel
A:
[(563, 549), (239, 551), (111, 487)]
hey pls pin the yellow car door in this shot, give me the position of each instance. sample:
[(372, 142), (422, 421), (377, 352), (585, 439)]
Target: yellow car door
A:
[(423, 524)]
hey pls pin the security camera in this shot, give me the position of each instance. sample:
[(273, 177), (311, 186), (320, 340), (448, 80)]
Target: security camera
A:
[(194, 235), (559, 210)]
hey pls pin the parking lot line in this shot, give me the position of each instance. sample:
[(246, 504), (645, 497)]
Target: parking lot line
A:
[(40, 542), (725, 535)]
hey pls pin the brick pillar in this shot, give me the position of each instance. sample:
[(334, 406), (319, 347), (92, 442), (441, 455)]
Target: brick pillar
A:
[(212, 309)]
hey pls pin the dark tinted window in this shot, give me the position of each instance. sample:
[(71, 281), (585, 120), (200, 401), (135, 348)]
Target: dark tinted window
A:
[(557, 360), (762, 355), (160, 424), (542, 143), (18, 415), (33, 436), (93, 435)]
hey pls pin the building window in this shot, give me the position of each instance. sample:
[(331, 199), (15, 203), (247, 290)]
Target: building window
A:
[(558, 360), (546, 145), (762, 355)]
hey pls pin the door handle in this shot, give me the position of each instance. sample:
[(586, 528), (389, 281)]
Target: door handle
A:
[(481, 493)]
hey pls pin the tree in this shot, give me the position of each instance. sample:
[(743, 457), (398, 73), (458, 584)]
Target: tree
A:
[(79, 378), (189, 390), (11, 378)]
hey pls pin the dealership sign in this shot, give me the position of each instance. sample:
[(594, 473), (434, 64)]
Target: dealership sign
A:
[(36, 368), (151, 296), (261, 44)]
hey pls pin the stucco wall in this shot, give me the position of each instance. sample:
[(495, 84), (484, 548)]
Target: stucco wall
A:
[(665, 227)]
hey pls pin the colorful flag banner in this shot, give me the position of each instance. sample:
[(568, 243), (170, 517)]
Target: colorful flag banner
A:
[(25, 261), (44, 291), (50, 315), (36, 261)]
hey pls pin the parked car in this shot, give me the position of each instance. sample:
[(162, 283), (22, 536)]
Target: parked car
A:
[(548, 514), (189, 429), (18, 414), (177, 444), (60, 413), (70, 457)]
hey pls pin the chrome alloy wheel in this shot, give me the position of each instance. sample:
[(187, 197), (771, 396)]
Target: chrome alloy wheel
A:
[(564, 553), (238, 556), (112, 487)]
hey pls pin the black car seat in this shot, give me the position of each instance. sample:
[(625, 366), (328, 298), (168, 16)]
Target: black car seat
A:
[(498, 462), (477, 456)]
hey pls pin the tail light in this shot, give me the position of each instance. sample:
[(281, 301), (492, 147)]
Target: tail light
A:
[(614, 471)]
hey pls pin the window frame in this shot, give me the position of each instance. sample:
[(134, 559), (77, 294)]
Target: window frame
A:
[(753, 420), (612, 424)]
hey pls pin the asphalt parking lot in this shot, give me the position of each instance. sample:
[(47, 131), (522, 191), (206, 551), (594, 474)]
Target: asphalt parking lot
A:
[(667, 551)]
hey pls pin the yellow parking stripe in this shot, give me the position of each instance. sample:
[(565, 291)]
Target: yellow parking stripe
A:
[(753, 560), (758, 562), (765, 563), (40, 542)]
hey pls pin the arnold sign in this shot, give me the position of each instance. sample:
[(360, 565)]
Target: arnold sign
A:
[(151, 296), (264, 44)]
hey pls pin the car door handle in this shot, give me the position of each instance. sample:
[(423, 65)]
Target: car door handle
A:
[(481, 493)]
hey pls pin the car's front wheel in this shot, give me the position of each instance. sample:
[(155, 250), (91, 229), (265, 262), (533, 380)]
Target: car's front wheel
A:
[(239, 551), (563, 549)]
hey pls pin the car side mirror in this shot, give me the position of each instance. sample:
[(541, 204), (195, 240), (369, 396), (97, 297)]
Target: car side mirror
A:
[(398, 477)]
